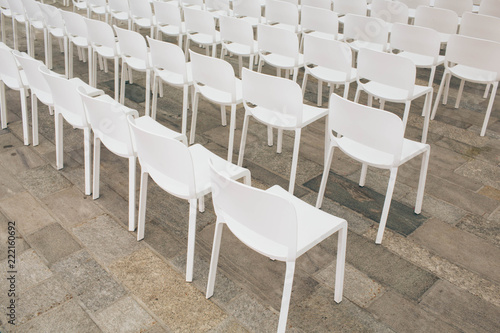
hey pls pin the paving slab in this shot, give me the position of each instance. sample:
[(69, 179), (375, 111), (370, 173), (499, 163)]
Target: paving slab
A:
[(125, 316), (483, 172), (490, 192), (253, 315), (43, 181), (488, 229), (113, 203), (229, 325), (460, 247), (88, 281), (9, 186), (20, 159), (53, 243), (9, 141), (21, 244), (31, 270), (461, 309), (177, 303)]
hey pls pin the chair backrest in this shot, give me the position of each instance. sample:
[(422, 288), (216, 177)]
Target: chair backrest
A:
[(386, 68), (276, 40), (440, 19), (97, 3), (319, 19), (100, 33), (365, 28), (474, 52), (415, 3), (198, 3), (214, 73), (357, 7), (323, 4), (277, 96), (140, 8), (4, 4), (415, 39), (199, 21), (490, 7), (52, 16), (118, 5), (16, 7), (74, 23), (67, 100), (132, 44), (377, 129), (32, 10), (9, 71), (167, 13), (282, 12), (390, 11), (109, 123), (458, 6), (328, 53), (219, 5), (249, 8), (270, 230), (480, 26), (167, 161), (168, 56), (36, 81), (236, 31)]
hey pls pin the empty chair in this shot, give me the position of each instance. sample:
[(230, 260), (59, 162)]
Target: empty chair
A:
[(390, 77), (200, 28), (169, 21), (280, 49), (10, 76), (390, 11), (332, 63), (282, 14), (319, 22), (68, 105), (480, 26), (169, 66), (98, 7), (119, 10), (76, 32), (458, 6), (217, 8), (490, 7), (5, 12), (181, 171), (38, 87), (249, 10), (142, 15), (375, 138), (54, 27), (366, 32), (474, 60), (283, 228), (444, 21), (18, 16), (412, 6), (344, 7), (193, 4), (79, 5), (135, 55), (102, 43), (214, 79), (277, 103), (419, 44), (237, 38), (323, 4), (35, 22)]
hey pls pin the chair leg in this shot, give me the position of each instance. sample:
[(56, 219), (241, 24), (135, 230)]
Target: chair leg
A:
[(295, 159), (185, 102), (243, 139), (24, 115), (86, 152), (66, 56), (340, 267), (421, 181), (117, 82), (59, 140), (287, 294), (155, 96), (141, 215), (320, 93), (387, 205), (304, 85), (440, 91), (358, 92), (427, 115), (406, 114), (148, 90), (232, 127), (362, 178), (131, 193), (34, 118), (97, 167), (122, 84), (490, 107), (324, 178), (346, 90), (486, 90), (269, 136), (214, 259), (223, 115), (193, 118), (446, 91), (459, 95), (3, 111), (191, 239), (279, 147)]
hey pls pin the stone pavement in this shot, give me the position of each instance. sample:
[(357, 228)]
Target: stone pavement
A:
[(80, 270)]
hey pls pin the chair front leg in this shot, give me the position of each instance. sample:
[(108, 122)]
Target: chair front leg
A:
[(219, 226), (131, 192), (232, 127), (24, 116), (490, 107), (141, 215), (440, 91), (86, 152), (422, 179), (295, 160), (387, 205), (59, 140), (96, 171), (340, 266), (3, 107), (34, 118), (243, 138), (324, 178), (191, 239), (287, 294)]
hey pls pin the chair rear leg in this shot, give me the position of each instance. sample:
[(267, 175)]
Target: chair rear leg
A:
[(490, 107), (215, 258), (243, 139), (340, 267), (141, 214), (97, 167), (421, 181), (387, 205), (287, 294), (324, 178), (295, 160)]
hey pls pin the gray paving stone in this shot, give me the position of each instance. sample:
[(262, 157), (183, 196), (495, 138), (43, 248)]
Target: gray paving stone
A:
[(8, 184), (486, 173), (252, 314), (437, 208), (461, 309), (43, 181), (83, 276), (488, 229), (53, 243), (403, 315), (486, 153), (57, 321), (20, 243), (460, 247), (113, 203), (229, 325), (20, 159), (31, 270), (490, 192), (126, 315), (9, 141)]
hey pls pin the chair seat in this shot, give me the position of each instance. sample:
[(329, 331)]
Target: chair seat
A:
[(221, 97), (57, 32), (331, 75), (79, 41), (444, 38), (320, 34), (285, 26), (254, 21), (173, 30), (149, 124), (281, 61), (6, 12), (280, 120), (205, 39), (99, 10), (474, 74), (241, 49), (135, 63), (105, 51), (38, 25), (358, 44), (420, 60), (376, 157), (14, 84), (120, 16), (175, 79), (143, 22), (394, 94)]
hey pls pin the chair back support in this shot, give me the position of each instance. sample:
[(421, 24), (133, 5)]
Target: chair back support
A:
[(52, 16), (276, 40), (319, 19), (282, 12), (199, 21), (141, 8), (9, 72), (364, 28), (263, 221), (217, 5), (32, 10), (167, 56), (100, 33), (378, 129), (490, 7), (236, 31), (480, 26), (327, 53), (440, 19), (415, 3), (132, 44), (74, 23), (390, 11), (167, 161), (458, 6), (279, 96), (167, 13), (36, 81), (323, 4), (249, 8), (16, 7), (118, 6), (415, 39), (357, 7)]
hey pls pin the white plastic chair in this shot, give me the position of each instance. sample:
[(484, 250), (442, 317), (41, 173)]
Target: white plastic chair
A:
[(480, 26), (412, 6), (135, 55), (344, 7), (366, 32), (200, 28), (249, 10), (217, 8), (119, 11), (79, 5), (489, 7), (38, 87), (18, 16), (283, 228), (13, 77), (214, 79), (282, 14), (277, 103), (76, 33), (193, 4), (98, 7), (319, 22), (169, 66), (68, 105), (54, 27), (237, 38), (142, 15), (375, 138), (34, 18), (109, 123), (323, 4), (280, 49), (5, 13), (474, 60), (181, 171), (332, 63), (419, 44), (444, 21), (102, 43), (458, 6), (391, 78), (390, 11), (169, 20)]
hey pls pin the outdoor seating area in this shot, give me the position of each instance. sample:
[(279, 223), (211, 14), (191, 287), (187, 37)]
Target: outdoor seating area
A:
[(357, 171)]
